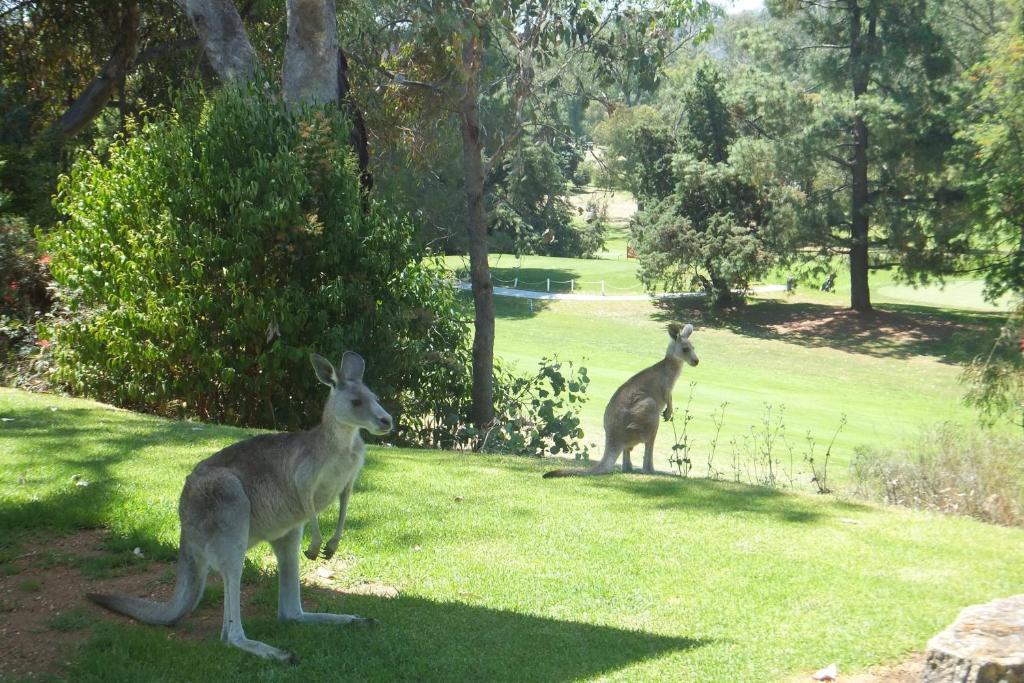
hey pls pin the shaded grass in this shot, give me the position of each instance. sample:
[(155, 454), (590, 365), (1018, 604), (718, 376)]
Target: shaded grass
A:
[(890, 331), (886, 287), (533, 272), (504, 576)]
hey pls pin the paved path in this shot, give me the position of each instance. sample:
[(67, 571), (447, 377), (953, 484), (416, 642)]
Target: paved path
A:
[(565, 296)]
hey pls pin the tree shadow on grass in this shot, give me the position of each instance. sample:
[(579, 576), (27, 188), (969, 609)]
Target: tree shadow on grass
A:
[(73, 483), (674, 493), (890, 331), (534, 279), (511, 308), (416, 639)]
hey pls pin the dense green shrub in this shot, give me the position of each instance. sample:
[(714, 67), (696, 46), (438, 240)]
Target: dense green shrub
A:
[(535, 414), (208, 253)]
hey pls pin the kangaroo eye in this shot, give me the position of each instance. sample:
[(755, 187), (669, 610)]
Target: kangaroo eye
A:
[(356, 402)]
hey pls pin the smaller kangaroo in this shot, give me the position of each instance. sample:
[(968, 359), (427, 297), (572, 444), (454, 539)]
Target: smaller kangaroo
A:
[(264, 489), (633, 412)]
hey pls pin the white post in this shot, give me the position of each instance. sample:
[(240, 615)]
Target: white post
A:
[(572, 285), (602, 287), (549, 284), (515, 283)]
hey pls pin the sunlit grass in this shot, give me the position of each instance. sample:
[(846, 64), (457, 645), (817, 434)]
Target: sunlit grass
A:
[(504, 576)]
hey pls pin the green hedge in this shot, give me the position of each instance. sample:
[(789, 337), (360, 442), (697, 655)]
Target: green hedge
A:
[(207, 253)]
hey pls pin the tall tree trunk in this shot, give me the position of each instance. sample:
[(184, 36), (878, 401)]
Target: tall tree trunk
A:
[(480, 273), (310, 70), (720, 290), (358, 137), (223, 37), (860, 293), (96, 95)]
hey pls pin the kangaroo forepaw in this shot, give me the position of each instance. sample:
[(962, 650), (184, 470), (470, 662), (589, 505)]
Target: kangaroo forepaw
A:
[(312, 552), (667, 415), (328, 552)]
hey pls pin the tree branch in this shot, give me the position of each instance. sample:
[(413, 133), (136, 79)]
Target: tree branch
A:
[(99, 91)]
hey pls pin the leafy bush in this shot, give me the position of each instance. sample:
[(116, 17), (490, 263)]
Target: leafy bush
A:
[(539, 414), (210, 251), (535, 414), (949, 470)]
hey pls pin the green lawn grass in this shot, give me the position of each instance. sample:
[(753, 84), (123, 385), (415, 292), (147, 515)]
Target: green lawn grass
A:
[(533, 272), (504, 576)]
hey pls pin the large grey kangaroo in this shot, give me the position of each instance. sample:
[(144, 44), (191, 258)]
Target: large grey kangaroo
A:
[(632, 414), (264, 489)]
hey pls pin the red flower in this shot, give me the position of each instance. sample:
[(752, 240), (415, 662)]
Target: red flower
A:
[(13, 286), (43, 343), (44, 260)]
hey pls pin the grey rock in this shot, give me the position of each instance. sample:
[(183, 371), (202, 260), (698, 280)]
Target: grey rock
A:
[(984, 645)]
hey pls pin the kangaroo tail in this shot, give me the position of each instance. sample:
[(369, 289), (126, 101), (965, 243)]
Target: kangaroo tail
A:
[(597, 469), (187, 591), (611, 454)]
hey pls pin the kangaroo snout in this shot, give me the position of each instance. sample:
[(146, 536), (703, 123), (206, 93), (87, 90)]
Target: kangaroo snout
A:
[(384, 424)]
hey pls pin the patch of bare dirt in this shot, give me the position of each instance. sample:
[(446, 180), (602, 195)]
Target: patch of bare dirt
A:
[(44, 614), (848, 325), (330, 576), (907, 671)]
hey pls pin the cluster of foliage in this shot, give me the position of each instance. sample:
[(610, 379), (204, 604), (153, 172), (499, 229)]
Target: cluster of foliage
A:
[(706, 221), (992, 147), (208, 254), (529, 206), (995, 381), (622, 165), (535, 414), (539, 414), (885, 130)]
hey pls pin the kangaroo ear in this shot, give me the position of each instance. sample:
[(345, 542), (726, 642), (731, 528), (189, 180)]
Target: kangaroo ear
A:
[(687, 331), (324, 370), (352, 366), (673, 330)]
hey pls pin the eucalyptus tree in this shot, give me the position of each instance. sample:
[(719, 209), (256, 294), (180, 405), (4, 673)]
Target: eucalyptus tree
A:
[(464, 57), (68, 62)]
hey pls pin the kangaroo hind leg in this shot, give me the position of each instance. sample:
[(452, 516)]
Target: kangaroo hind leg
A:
[(627, 464), (649, 457), (289, 601), (223, 531)]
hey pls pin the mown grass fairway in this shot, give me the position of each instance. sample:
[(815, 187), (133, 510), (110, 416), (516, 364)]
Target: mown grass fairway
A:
[(891, 373), (499, 574), (533, 272)]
